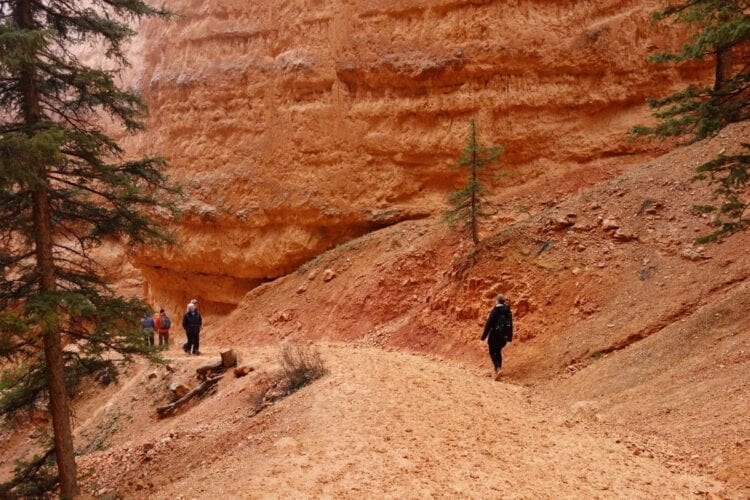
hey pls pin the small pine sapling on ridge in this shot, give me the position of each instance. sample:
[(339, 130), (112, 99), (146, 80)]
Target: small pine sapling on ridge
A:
[(719, 28), (466, 203)]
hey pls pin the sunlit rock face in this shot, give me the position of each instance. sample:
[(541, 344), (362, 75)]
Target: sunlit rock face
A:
[(297, 125)]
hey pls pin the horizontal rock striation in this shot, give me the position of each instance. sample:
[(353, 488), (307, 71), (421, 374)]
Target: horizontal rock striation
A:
[(298, 125)]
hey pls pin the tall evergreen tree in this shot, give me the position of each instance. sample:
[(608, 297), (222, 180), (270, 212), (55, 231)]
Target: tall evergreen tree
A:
[(466, 203), (64, 187), (718, 28)]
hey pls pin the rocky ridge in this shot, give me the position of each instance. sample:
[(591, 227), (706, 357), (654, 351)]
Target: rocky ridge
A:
[(299, 126)]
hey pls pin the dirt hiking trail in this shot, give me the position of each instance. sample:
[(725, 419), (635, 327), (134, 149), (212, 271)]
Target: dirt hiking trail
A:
[(398, 425)]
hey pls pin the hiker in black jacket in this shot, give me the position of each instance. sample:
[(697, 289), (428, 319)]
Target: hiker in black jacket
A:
[(499, 329), (192, 322)]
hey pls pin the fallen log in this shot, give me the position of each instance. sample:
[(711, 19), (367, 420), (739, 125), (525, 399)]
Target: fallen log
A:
[(206, 371), (205, 386)]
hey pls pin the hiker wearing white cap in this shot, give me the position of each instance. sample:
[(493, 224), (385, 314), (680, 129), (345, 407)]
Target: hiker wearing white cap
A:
[(192, 322)]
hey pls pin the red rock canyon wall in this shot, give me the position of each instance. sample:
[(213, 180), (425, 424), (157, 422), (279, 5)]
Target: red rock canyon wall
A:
[(295, 125)]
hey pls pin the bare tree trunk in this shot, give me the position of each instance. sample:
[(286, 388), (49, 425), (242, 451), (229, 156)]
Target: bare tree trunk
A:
[(58, 398), (724, 60)]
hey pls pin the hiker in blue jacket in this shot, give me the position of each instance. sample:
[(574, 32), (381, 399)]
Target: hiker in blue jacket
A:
[(498, 330), (147, 328)]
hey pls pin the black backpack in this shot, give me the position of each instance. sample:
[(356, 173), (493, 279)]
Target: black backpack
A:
[(503, 322), (166, 323)]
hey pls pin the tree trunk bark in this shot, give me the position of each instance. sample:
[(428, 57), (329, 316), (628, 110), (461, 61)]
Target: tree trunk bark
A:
[(228, 358), (58, 397), (724, 60)]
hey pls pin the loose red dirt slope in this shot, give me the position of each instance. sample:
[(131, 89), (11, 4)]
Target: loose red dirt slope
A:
[(380, 423), (634, 323), (389, 423)]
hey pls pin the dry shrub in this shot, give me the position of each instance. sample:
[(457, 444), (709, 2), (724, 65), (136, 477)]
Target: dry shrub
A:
[(301, 364), (258, 397)]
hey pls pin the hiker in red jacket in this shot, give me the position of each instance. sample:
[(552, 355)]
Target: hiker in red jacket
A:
[(163, 324)]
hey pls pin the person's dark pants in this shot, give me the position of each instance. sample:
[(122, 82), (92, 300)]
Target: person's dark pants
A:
[(496, 354), (164, 339), (193, 342)]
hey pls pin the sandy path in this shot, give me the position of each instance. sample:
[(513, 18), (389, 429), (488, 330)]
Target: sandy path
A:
[(393, 424)]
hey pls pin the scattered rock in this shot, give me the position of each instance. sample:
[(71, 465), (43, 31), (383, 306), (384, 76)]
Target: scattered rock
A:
[(328, 275), (649, 206), (241, 371), (178, 390), (609, 224), (561, 223), (693, 253), (152, 375), (302, 288), (622, 235)]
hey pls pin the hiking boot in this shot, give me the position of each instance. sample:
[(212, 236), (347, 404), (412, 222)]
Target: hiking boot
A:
[(197, 353), (498, 375)]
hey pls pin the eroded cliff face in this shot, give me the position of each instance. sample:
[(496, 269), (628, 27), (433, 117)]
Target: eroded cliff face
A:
[(297, 125)]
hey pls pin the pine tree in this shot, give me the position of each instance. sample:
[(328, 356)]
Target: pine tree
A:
[(466, 203), (731, 175), (65, 186), (718, 28)]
